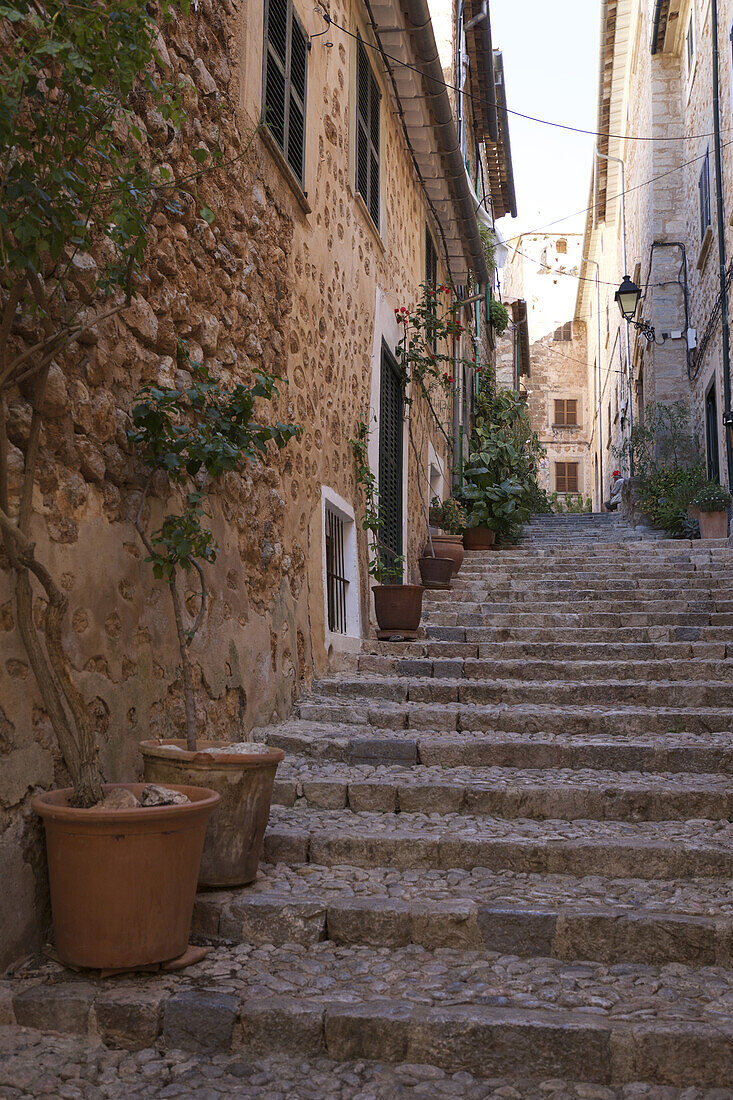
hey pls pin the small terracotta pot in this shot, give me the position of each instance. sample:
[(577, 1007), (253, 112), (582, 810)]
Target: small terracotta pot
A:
[(398, 607), (436, 572), (123, 882), (448, 546), (713, 525), (236, 831), (478, 538)]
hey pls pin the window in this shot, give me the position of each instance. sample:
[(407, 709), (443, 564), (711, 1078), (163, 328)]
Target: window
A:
[(704, 190), (566, 477), (431, 278), (690, 43), (566, 413), (285, 80), (367, 133), (564, 333), (562, 247), (337, 584)]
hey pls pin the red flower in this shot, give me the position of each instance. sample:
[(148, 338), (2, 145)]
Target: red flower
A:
[(448, 378), (397, 310)]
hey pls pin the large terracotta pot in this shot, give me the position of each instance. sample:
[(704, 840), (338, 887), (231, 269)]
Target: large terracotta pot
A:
[(713, 525), (436, 572), (123, 882), (398, 607), (244, 781), (478, 538), (448, 546)]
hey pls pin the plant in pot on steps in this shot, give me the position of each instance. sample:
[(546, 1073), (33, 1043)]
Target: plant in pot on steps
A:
[(398, 606), (711, 506), (78, 198), (450, 516), (500, 473), (188, 437)]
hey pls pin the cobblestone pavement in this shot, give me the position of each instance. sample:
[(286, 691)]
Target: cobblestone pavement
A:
[(498, 864), (32, 1066)]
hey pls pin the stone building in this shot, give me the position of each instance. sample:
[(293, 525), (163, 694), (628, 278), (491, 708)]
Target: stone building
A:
[(354, 193), (544, 353), (657, 123)]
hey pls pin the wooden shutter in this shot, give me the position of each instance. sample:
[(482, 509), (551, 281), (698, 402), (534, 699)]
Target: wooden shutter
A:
[(566, 477), (285, 82), (704, 189), (566, 413), (390, 459), (367, 133), (431, 259)]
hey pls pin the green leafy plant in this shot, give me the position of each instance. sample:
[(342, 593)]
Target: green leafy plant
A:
[(712, 498), (384, 565), (191, 436), (454, 518), (488, 243), (666, 494), (435, 512), (573, 505), (499, 316), (77, 197)]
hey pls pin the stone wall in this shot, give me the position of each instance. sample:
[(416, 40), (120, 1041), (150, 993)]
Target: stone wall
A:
[(281, 281)]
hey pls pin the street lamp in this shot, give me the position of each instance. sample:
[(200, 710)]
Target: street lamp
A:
[(628, 296)]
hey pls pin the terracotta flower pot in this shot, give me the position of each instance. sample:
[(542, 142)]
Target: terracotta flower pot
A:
[(448, 546), (713, 525), (123, 882), (435, 572), (478, 538), (237, 826), (398, 607)]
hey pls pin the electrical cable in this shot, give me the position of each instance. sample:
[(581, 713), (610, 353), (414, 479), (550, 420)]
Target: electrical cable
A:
[(507, 110)]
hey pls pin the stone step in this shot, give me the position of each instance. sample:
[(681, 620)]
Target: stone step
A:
[(610, 636), (536, 669), (459, 1010), (592, 652), (537, 603), (656, 753), (669, 849), (539, 794), (60, 1065), (607, 920), (534, 619), (523, 717), (695, 590), (606, 693)]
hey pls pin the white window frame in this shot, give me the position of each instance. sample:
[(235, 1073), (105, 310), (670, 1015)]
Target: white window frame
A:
[(350, 642)]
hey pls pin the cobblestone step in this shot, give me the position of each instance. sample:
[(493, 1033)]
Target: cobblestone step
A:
[(537, 619), (607, 920), (34, 1065), (504, 792), (670, 849), (641, 751), (536, 669), (469, 1011), (607, 692), (527, 718)]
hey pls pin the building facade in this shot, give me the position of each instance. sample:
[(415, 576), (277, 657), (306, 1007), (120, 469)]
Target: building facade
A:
[(544, 352), (654, 215), (340, 195)]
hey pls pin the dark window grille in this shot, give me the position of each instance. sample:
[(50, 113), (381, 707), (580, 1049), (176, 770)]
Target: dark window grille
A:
[(390, 461), (704, 189), (367, 133), (336, 580), (285, 82)]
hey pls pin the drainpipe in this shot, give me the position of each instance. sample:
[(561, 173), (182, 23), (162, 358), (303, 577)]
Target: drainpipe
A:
[(587, 260), (624, 263), (727, 414), (421, 35), (657, 20)]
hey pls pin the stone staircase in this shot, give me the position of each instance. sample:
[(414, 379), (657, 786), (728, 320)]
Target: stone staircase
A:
[(498, 863)]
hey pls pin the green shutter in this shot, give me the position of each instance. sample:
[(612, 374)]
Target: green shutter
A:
[(390, 459), (285, 82), (367, 133)]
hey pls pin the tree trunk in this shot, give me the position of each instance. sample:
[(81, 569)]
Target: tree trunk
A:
[(188, 696)]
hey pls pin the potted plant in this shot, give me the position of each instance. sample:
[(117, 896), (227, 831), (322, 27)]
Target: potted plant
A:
[(188, 437), (398, 606), (78, 198), (500, 473), (450, 516), (711, 510)]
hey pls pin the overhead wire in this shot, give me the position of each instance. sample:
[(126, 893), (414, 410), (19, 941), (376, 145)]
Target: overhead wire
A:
[(507, 110)]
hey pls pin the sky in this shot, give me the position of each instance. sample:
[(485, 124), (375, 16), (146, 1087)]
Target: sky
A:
[(551, 68)]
